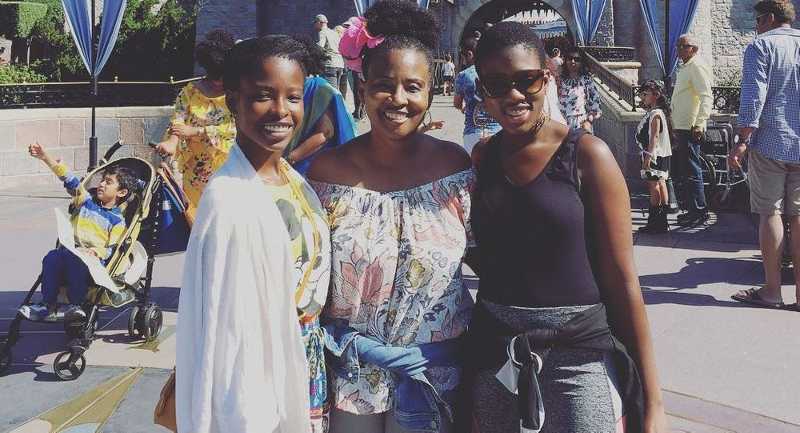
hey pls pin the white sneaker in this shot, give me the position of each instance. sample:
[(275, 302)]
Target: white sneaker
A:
[(74, 311), (34, 311)]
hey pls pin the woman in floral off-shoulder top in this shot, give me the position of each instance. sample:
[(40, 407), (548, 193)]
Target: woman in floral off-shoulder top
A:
[(398, 207)]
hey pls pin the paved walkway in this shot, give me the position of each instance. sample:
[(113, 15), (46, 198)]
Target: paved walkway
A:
[(724, 367)]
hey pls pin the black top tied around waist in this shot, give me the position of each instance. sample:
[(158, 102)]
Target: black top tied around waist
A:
[(587, 330)]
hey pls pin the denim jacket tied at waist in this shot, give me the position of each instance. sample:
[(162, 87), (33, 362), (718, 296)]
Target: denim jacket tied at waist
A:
[(416, 403)]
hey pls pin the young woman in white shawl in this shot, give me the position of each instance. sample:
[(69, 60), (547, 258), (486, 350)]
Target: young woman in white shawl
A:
[(257, 265)]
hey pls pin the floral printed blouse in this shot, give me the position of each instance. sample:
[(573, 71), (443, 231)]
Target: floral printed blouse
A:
[(579, 98), (396, 275), (200, 156)]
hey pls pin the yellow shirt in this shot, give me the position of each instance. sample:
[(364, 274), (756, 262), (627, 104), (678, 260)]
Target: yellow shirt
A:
[(692, 98), (200, 156)]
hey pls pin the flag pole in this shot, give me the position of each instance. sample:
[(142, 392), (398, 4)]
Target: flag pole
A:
[(667, 57), (93, 138)]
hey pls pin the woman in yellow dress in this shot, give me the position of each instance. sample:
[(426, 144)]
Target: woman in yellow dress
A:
[(202, 131)]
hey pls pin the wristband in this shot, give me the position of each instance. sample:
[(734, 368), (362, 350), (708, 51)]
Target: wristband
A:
[(60, 169)]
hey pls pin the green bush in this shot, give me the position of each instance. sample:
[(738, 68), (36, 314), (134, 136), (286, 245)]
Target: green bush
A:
[(60, 60), (17, 19), (20, 74)]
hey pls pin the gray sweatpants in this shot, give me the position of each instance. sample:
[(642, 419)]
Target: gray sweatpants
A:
[(578, 386)]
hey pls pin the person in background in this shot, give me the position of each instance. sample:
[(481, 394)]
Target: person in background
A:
[(769, 127), (326, 124), (448, 74), (468, 100), (345, 80), (328, 39), (652, 135), (202, 130), (554, 62), (577, 93), (692, 100), (99, 226)]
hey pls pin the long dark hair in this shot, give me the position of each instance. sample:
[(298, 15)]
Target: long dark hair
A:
[(662, 102)]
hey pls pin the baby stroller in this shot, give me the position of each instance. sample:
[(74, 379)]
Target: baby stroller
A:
[(154, 225)]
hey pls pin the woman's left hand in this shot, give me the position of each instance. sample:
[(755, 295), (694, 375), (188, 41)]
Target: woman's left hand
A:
[(655, 419), (184, 131)]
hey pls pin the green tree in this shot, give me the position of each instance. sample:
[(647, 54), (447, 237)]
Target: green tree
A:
[(61, 61), (153, 43)]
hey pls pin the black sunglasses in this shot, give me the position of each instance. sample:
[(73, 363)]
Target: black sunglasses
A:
[(528, 83)]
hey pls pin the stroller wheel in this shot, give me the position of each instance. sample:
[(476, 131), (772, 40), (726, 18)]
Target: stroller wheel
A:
[(69, 365), (5, 358), (153, 318), (133, 320)]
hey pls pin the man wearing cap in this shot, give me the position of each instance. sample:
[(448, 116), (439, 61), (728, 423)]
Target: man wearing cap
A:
[(328, 39), (692, 100), (769, 127)]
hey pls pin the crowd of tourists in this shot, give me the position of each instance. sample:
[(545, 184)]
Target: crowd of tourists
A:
[(323, 287)]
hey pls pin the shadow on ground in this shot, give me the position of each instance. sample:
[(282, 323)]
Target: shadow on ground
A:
[(41, 339)]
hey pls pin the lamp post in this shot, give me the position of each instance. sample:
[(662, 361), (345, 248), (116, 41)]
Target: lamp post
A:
[(93, 138)]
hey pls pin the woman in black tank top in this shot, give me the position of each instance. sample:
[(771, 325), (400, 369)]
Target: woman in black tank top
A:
[(551, 216)]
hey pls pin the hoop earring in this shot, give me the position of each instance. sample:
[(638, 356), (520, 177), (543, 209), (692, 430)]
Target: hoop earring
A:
[(427, 119)]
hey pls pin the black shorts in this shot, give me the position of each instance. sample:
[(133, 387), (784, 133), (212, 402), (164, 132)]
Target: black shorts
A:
[(659, 169), (448, 78)]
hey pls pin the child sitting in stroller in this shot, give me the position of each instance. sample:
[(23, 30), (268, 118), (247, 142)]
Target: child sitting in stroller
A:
[(99, 225)]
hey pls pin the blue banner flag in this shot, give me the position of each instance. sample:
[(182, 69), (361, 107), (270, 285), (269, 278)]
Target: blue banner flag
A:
[(587, 17), (681, 15), (78, 13)]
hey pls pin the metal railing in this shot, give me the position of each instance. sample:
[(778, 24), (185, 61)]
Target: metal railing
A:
[(726, 98), (78, 94), (625, 91), (612, 54)]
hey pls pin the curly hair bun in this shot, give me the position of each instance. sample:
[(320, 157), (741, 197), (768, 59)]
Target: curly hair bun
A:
[(405, 19), (210, 52)]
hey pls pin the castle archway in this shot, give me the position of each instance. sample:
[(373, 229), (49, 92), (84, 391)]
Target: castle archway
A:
[(474, 13)]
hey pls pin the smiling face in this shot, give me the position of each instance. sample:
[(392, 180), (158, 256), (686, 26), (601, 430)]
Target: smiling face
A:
[(268, 106), (397, 92), (517, 111)]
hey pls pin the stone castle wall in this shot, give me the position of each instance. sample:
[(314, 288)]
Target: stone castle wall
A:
[(65, 134), (724, 28)]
